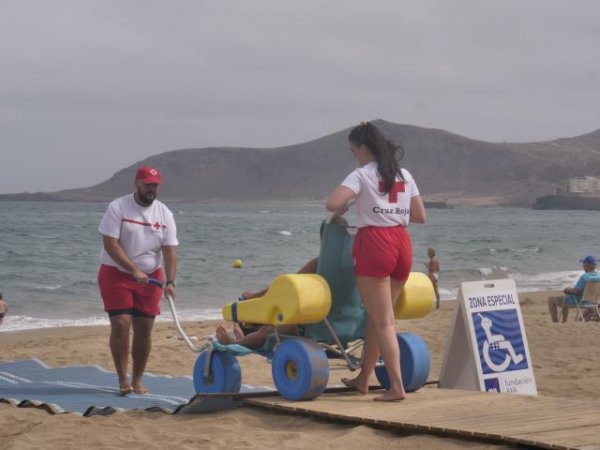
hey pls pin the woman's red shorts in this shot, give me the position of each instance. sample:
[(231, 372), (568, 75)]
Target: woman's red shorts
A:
[(381, 252)]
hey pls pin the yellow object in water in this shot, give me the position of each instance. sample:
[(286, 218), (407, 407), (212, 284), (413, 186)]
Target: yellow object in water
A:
[(416, 299), (291, 299), (237, 264)]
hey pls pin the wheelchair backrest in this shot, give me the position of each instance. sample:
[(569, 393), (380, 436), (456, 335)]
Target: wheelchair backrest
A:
[(347, 314)]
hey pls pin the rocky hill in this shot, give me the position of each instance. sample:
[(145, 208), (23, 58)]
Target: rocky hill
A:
[(447, 167)]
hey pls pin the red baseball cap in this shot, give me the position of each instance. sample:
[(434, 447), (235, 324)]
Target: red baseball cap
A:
[(148, 175)]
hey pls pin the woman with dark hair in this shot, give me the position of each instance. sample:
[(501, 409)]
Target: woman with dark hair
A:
[(387, 199)]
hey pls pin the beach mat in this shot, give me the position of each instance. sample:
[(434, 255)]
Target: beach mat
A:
[(92, 390)]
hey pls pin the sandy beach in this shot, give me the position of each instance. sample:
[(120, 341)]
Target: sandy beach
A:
[(565, 359)]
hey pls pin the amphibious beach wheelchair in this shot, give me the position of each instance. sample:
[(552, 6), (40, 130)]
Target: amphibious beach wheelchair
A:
[(328, 310)]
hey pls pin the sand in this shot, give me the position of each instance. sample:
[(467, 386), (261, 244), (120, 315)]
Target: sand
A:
[(565, 359)]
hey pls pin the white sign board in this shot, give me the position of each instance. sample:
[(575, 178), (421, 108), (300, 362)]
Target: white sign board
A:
[(488, 348)]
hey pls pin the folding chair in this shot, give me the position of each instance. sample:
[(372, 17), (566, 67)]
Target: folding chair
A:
[(589, 300)]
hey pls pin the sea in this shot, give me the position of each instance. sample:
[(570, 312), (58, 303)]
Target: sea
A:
[(49, 253)]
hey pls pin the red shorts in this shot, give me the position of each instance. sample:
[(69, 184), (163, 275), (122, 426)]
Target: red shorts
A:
[(381, 252), (120, 291)]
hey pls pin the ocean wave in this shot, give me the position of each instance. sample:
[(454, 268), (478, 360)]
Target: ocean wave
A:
[(51, 287), (20, 323), (285, 233)]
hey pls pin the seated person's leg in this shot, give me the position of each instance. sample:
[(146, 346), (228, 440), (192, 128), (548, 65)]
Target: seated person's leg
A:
[(565, 313), (253, 340), (310, 266), (553, 304)]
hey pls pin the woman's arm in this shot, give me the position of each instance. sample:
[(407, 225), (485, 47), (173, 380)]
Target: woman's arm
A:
[(338, 199), (417, 210)]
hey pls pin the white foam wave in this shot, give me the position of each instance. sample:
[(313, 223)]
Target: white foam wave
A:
[(285, 233), (20, 323), (51, 287), (546, 280), (485, 271)]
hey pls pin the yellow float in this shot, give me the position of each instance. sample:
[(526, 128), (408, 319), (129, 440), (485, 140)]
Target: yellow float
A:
[(306, 298), (417, 299), (291, 299)]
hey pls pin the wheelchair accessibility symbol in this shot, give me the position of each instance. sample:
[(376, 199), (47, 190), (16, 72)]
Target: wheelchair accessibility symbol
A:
[(499, 341)]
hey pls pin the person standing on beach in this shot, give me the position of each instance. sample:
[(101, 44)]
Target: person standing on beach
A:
[(138, 233), (433, 271), (387, 199), (3, 308)]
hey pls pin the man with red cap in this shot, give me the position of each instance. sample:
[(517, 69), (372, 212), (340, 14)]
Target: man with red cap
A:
[(138, 233)]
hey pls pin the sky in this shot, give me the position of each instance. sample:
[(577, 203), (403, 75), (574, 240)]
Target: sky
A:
[(88, 87)]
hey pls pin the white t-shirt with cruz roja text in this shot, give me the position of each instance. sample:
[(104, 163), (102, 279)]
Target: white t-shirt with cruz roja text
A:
[(142, 231), (376, 207)]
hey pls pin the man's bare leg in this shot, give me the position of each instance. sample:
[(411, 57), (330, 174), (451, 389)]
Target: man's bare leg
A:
[(553, 304), (119, 347), (140, 350), (565, 313)]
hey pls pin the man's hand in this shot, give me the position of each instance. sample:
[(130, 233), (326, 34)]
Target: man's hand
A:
[(140, 277), (170, 290)]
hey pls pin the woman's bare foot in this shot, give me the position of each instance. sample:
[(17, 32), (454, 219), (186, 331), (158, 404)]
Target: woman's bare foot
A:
[(391, 396), (139, 388), (357, 384), (125, 388)]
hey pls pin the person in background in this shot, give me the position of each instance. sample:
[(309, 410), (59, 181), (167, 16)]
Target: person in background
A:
[(573, 294), (433, 270), (138, 233), (3, 308), (387, 199)]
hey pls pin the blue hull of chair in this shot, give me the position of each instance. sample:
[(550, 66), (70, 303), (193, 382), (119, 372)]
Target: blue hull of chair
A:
[(415, 363)]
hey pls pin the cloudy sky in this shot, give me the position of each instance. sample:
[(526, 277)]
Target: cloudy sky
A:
[(88, 87)]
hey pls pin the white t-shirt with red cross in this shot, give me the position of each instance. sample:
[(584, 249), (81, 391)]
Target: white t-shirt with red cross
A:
[(375, 207), (142, 231)]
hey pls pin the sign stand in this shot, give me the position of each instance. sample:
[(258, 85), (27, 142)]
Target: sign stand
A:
[(488, 349)]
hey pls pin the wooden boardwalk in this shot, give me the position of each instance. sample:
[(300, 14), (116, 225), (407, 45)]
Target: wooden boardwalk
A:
[(533, 421)]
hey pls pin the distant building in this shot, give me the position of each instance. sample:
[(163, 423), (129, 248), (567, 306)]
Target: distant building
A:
[(580, 186)]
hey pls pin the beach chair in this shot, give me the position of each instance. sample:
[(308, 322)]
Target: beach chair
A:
[(332, 320), (588, 306)]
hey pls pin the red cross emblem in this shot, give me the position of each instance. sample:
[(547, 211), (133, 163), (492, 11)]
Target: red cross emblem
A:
[(156, 226), (393, 195)]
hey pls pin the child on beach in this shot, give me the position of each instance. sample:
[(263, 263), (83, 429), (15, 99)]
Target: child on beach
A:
[(387, 199)]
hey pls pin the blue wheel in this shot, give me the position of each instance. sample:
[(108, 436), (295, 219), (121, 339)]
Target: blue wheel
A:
[(300, 369), (224, 375), (414, 363)]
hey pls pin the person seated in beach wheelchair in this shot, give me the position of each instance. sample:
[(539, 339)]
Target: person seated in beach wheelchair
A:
[(254, 336), (331, 320)]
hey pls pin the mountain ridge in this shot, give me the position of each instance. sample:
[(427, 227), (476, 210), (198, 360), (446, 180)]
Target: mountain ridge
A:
[(446, 166)]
